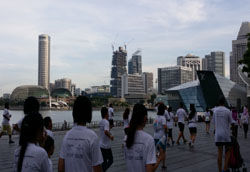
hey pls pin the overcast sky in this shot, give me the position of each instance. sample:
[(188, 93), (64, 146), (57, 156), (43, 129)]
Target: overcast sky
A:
[(82, 32)]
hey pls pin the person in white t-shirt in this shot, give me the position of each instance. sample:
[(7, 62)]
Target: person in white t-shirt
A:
[(245, 120), (111, 115), (48, 126), (29, 156), (6, 123), (170, 117), (222, 119), (160, 129), (126, 120), (207, 119), (139, 148), (182, 116), (192, 119), (105, 140), (49, 146), (80, 150)]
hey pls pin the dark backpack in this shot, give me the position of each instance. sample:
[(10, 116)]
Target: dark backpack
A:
[(235, 160)]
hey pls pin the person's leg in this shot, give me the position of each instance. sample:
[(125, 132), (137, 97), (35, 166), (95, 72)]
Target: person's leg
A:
[(219, 160), (227, 157), (183, 137), (164, 158), (245, 127), (236, 131), (104, 155), (109, 156), (9, 133)]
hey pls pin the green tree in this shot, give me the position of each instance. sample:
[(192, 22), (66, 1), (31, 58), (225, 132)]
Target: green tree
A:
[(246, 58)]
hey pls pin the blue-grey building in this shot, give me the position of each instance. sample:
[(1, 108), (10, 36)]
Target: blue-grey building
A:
[(205, 92)]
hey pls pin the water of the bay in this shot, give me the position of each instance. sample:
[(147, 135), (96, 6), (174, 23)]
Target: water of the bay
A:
[(60, 116)]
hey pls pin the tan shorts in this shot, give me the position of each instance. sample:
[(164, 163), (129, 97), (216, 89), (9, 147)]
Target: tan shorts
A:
[(6, 128)]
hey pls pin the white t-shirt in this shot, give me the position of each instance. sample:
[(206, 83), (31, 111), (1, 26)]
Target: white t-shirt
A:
[(222, 119), (80, 149), (141, 153), (192, 122), (6, 113), (245, 118), (170, 119), (207, 116), (35, 159), (105, 141), (126, 123), (111, 112), (159, 129), (50, 133), (181, 114)]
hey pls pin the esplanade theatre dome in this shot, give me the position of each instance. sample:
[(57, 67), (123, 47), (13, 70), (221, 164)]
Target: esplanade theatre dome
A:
[(24, 91)]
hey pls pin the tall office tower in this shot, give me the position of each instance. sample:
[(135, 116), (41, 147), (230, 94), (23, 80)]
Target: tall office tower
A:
[(119, 63), (147, 78), (239, 47), (44, 60), (132, 84), (215, 61), (218, 62), (191, 61), (173, 76), (63, 83), (134, 64), (204, 63)]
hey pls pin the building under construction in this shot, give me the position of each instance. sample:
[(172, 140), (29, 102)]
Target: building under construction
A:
[(119, 63)]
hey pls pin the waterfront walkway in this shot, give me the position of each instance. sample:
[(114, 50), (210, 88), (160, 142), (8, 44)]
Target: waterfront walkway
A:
[(179, 158)]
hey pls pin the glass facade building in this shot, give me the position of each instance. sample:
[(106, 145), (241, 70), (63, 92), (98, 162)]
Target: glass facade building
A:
[(22, 92), (205, 92)]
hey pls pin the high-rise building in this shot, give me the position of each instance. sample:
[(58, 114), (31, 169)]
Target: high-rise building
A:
[(63, 83), (133, 88), (119, 63), (215, 61), (135, 64), (73, 89), (239, 47), (173, 76), (147, 78), (204, 63), (44, 60), (191, 61)]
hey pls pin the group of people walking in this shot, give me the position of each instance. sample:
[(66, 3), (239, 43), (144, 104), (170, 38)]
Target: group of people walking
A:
[(83, 150)]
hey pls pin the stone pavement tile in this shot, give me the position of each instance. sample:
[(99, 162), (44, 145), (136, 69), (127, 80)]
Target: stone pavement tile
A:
[(203, 158)]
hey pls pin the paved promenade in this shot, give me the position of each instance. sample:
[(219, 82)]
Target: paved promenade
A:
[(179, 158)]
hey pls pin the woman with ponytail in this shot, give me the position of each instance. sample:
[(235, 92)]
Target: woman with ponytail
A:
[(29, 156), (139, 150)]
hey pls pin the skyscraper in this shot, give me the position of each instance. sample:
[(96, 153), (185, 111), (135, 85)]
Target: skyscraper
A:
[(44, 61), (191, 61), (147, 81), (215, 62), (239, 47), (173, 76), (134, 64), (119, 63)]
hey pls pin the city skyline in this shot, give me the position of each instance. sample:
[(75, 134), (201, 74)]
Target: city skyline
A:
[(82, 34)]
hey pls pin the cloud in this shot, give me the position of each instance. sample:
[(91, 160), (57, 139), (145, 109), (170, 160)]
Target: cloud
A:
[(82, 32)]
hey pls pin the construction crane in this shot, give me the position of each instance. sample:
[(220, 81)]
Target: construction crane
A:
[(126, 44)]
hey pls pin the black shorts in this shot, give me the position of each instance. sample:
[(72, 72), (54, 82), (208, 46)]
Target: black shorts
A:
[(207, 122), (193, 130), (181, 126), (226, 144), (170, 133), (111, 122)]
